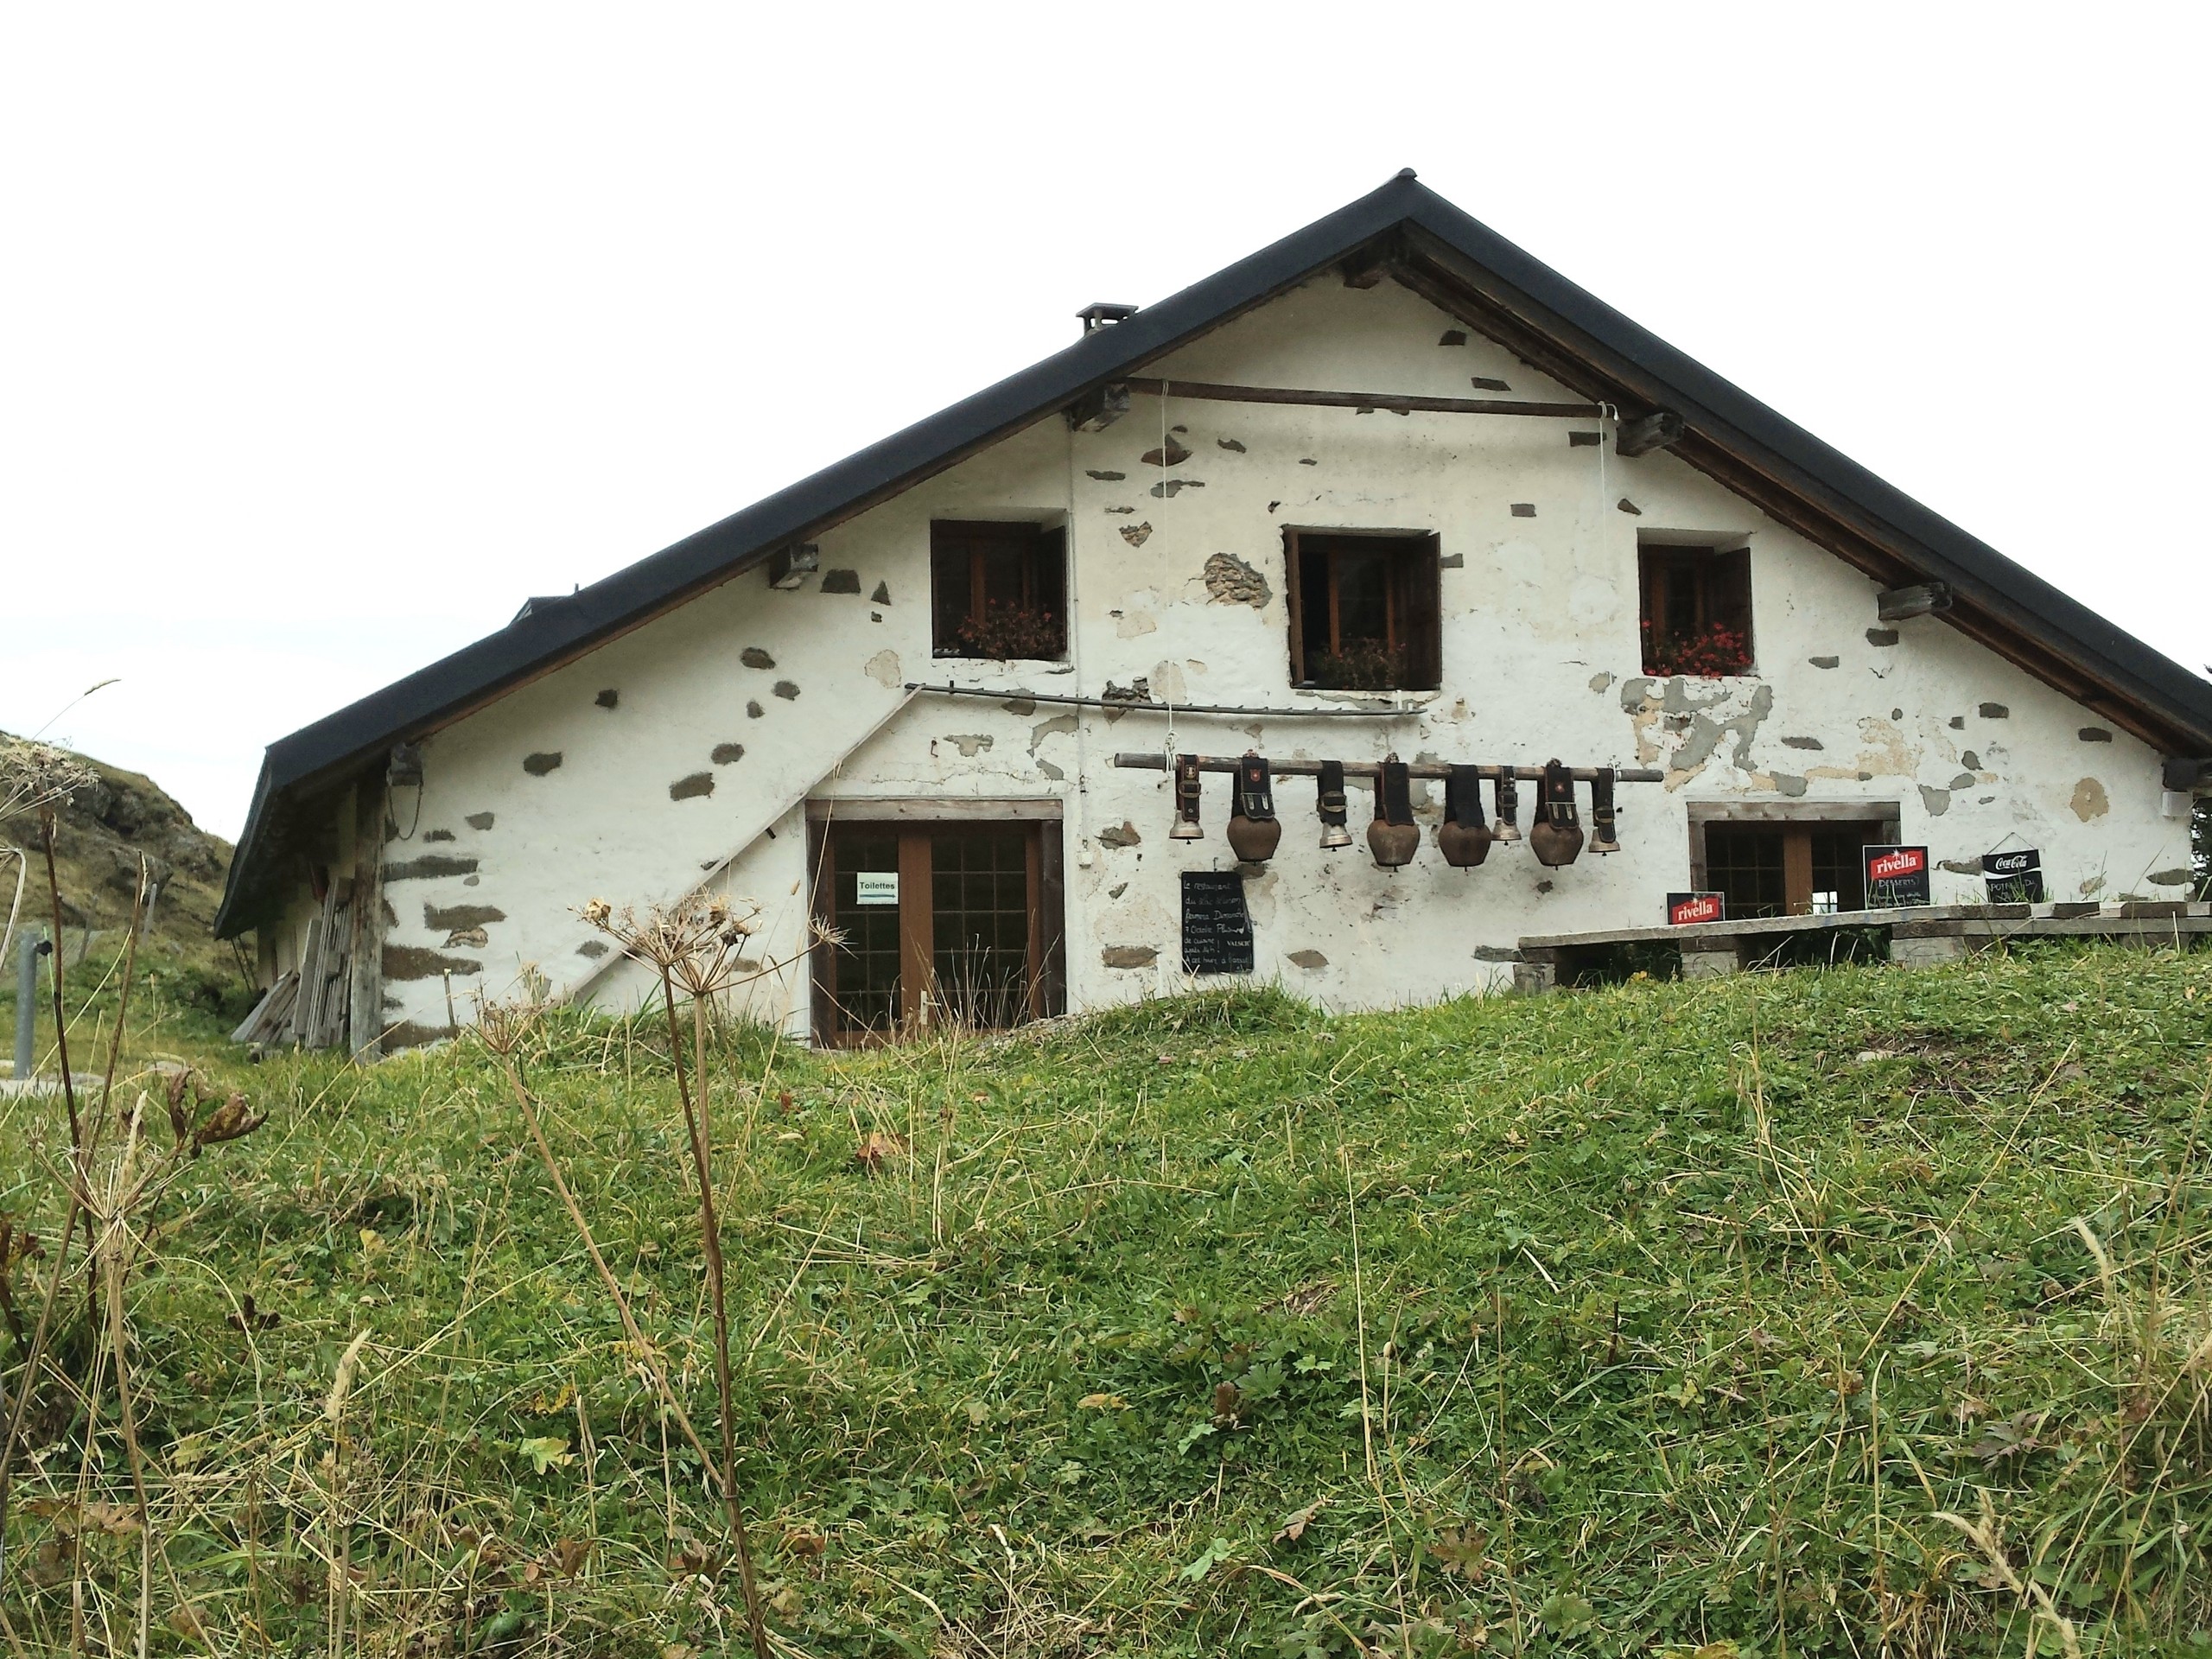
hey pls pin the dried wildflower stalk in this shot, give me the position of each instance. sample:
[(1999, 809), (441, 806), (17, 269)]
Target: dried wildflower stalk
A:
[(697, 948)]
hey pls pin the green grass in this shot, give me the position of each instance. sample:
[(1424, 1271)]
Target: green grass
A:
[(1619, 1322)]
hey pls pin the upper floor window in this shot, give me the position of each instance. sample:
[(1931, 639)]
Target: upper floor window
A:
[(1365, 612), (1696, 609), (998, 590)]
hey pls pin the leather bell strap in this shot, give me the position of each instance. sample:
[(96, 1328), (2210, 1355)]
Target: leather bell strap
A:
[(1509, 796), (1558, 793), (1256, 794), (1463, 797), (1186, 787), (1601, 796), (1331, 803), (1393, 793)]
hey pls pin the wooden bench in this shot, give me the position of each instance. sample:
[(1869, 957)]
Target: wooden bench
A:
[(1919, 936)]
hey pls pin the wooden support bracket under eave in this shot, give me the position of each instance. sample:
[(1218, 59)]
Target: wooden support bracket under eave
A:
[(1099, 408), (1657, 430)]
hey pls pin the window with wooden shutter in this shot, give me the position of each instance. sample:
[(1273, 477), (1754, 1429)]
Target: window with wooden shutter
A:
[(998, 590), (1696, 612), (1366, 611)]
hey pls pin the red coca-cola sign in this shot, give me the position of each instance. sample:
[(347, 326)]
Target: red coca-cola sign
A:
[(1896, 863), (1683, 909)]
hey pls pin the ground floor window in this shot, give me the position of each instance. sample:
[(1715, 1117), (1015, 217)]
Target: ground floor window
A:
[(940, 922), (1774, 864)]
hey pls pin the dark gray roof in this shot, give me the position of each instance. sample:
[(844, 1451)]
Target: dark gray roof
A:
[(1432, 247)]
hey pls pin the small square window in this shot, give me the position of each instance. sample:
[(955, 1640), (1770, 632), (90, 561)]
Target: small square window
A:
[(1696, 611), (998, 590), (1365, 614)]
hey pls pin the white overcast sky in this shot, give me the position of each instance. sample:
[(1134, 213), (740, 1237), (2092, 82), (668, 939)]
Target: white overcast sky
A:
[(328, 333)]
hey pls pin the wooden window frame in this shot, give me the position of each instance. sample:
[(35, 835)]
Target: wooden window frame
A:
[(1412, 600), (1880, 821), (1721, 578), (914, 823), (1044, 576)]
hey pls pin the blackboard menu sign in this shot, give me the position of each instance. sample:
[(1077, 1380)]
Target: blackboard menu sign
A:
[(2014, 878), (1216, 928), (1896, 875)]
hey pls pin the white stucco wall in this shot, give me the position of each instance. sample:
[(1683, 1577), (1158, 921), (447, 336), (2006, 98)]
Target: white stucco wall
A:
[(1541, 657)]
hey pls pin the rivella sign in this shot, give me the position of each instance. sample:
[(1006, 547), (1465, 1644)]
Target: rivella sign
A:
[(1896, 875)]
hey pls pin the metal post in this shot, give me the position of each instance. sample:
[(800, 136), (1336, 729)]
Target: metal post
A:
[(29, 949)]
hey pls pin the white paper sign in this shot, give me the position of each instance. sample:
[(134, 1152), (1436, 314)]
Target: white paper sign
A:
[(875, 888)]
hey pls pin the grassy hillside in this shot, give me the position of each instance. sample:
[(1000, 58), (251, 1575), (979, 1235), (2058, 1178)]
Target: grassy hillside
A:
[(101, 835), (1658, 1318)]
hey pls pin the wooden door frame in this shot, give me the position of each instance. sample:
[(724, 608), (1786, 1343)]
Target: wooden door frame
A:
[(914, 820)]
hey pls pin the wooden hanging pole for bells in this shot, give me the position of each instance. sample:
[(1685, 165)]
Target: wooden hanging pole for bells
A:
[(1370, 769)]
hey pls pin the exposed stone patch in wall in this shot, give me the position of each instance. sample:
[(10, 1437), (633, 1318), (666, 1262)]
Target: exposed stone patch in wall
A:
[(881, 595), (1628, 506), (1124, 834), (1022, 706), (1057, 725), (1937, 801), (1168, 488), (1524, 509), (1825, 662), (691, 788), (608, 698), (474, 937), (1803, 743), (786, 690), (1117, 889), (2094, 735), (1453, 337), (1452, 561), (480, 820), (2180, 878), (1232, 445), (1173, 455), (429, 866), (753, 711), (753, 657), (541, 763), (1994, 711), (441, 917), (439, 835), (727, 753), (1881, 636), (1105, 478), (1137, 535), (883, 669), (593, 948), (420, 962), (1232, 581), (1601, 682), (1787, 784), (970, 744), (2090, 800), (1307, 959), (841, 581), (1135, 625), (1483, 383), (1964, 781), (1128, 955), (1583, 439)]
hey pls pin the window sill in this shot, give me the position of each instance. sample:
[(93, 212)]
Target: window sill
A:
[(976, 665), (1369, 699)]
